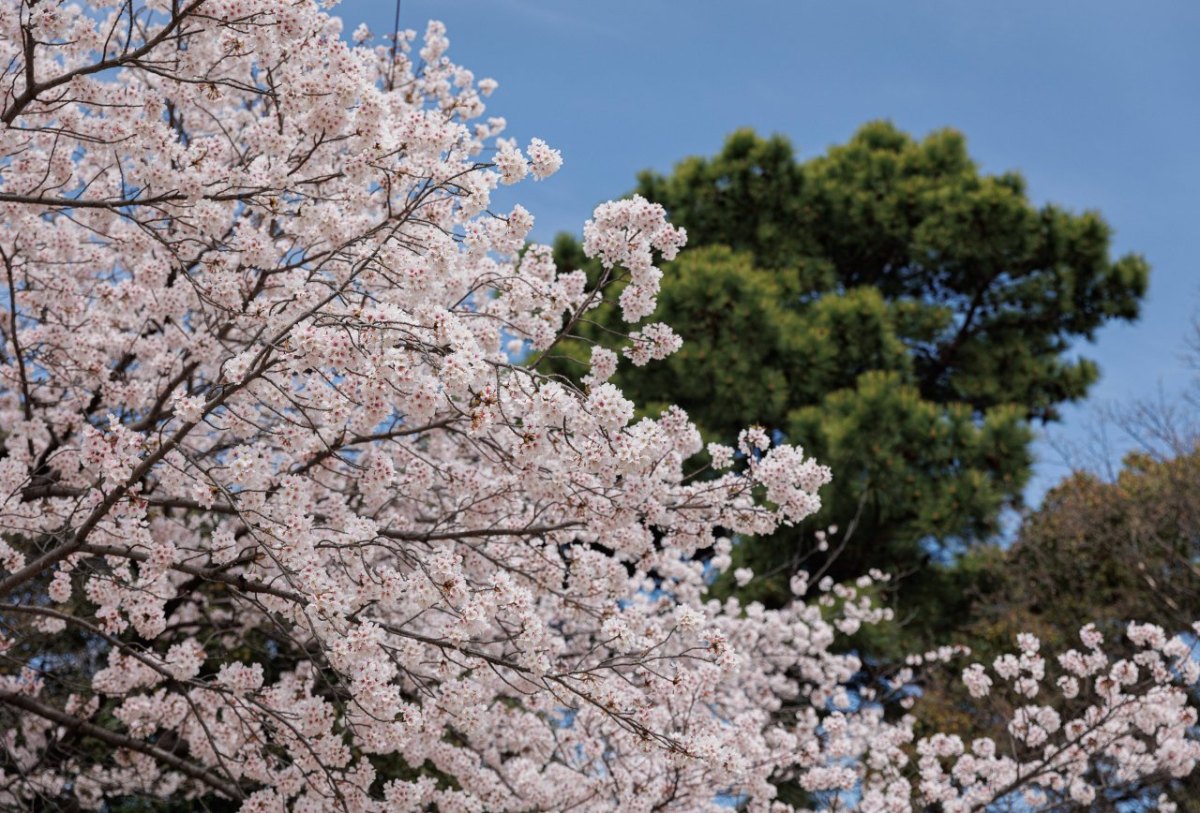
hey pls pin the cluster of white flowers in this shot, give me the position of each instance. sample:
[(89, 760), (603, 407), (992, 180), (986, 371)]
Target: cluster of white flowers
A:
[(1133, 720), (626, 233), (653, 342)]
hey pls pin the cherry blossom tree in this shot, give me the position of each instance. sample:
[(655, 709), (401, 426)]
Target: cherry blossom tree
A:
[(294, 519)]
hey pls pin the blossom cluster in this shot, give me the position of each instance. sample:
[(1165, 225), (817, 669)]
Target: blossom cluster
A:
[(1130, 720)]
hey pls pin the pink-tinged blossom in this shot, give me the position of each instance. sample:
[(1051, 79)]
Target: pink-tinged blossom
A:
[(977, 681), (611, 409), (603, 366), (653, 342), (510, 161), (753, 439), (240, 678), (543, 161), (625, 234), (1091, 637), (722, 456)]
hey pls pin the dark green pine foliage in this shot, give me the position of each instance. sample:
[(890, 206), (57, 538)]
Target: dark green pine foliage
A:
[(901, 315)]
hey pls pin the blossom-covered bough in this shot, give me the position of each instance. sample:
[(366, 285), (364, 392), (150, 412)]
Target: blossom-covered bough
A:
[(292, 519)]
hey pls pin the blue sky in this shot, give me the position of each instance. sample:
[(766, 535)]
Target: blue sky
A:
[(1097, 103)]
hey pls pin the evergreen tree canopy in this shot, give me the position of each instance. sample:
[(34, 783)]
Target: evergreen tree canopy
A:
[(899, 313)]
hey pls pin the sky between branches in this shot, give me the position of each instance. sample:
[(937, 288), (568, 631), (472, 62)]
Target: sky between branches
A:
[(1096, 102)]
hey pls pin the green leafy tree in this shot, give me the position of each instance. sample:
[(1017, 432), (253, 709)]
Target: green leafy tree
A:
[(897, 312)]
